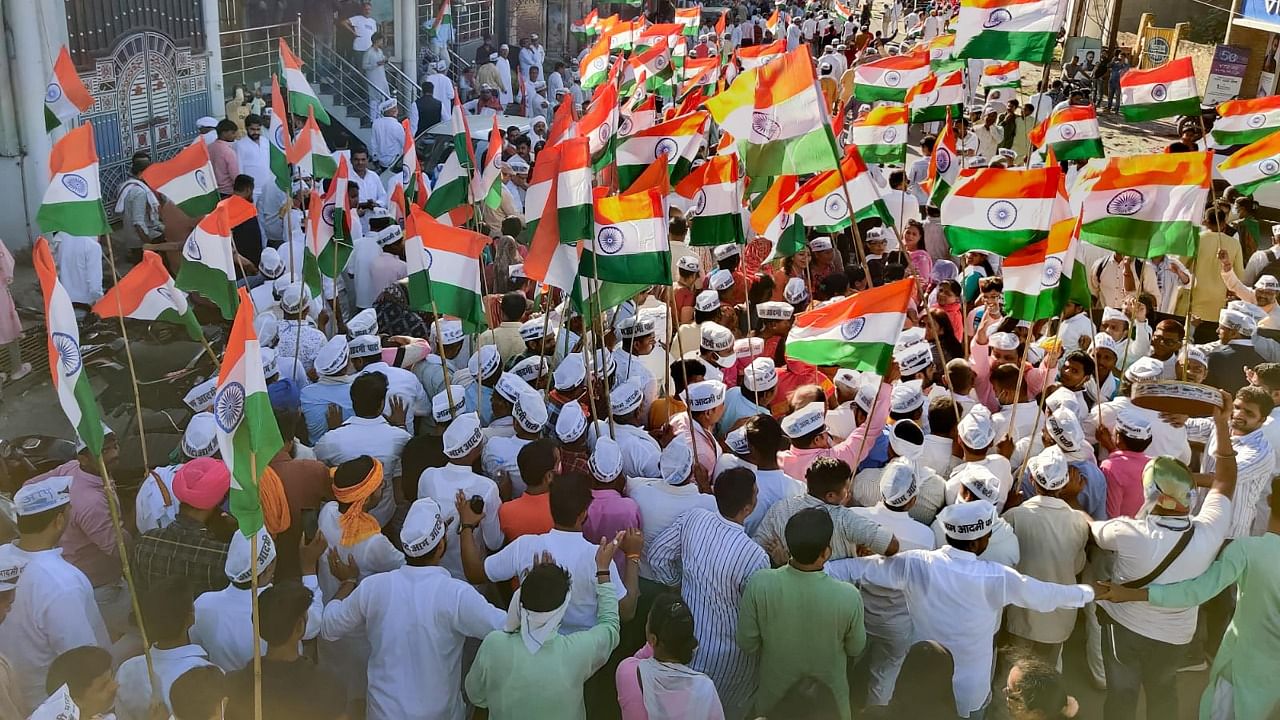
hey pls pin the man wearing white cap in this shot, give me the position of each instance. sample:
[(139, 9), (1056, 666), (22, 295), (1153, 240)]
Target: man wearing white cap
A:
[(327, 401), (53, 606), (299, 336), (808, 434), (976, 483), (486, 370), (977, 435), (710, 557), (952, 582), (1052, 537), (827, 481), (1166, 438), (664, 497), (416, 619), (1235, 351), (638, 340), (715, 350), (155, 506), (887, 620), (1062, 428), (223, 618), (270, 267), (367, 357), (450, 348), (763, 438), (640, 452), (501, 453), (1263, 294), (367, 432), (992, 349), (569, 385), (757, 385), (705, 406), (462, 444)]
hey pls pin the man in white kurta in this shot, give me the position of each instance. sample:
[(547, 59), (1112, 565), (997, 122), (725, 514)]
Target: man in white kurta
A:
[(367, 432), (386, 141), (957, 600), (254, 154), (416, 619), (462, 445), (640, 452), (637, 341), (501, 454)]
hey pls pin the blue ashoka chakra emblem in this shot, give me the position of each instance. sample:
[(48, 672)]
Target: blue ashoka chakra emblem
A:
[(889, 136), (68, 350), (1067, 131), (53, 93), (784, 220), (605, 129), (1269, 167), (1052, 271), (660, 62), (998, 17), (191, 250), (327, 212), (76, 184), (202, 180), (835, 206), (1002, 214), (1256, 120), (228, 406), (625, 125), (943, 160), (1126, 202), (426, 259), (765, 126), (852, 328), (166, 294), (668, 146), (892, 78), (279, 136), (928, 100), (1159, 92), (609, 240), (699, 202)]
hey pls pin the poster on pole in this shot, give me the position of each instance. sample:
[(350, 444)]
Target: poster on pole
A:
[(1226, 74)]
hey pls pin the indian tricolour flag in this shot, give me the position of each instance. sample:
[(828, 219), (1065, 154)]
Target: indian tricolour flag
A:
[(680, 138), (1253, 165), (208, 261), (66, 364), (486, 186), (279, 140), (630, 244), (1072, 133), (689, 19), (640, 113), (714, 194), (148, 293), (186, 179), (881, 134), (65, 97), (757, 55), (415, 191), (1008, 29), (652, 68), (1160, 92), (771, 221), (595, 66), (302, 99), (890, 78), (1001, 210), (942, 54), (790, 132), (248, 436), (550, 261), (73, 200), (935, 97), (444, 268), (599, 124), (1241, 122), (567, 170), (842, 11), (1042, 277), (774, 23), (732, 107), (1147, 205), (999, 74), (453, 184), (329, 224), (822, 203), (856, 333), (310, 153), (944, 165)]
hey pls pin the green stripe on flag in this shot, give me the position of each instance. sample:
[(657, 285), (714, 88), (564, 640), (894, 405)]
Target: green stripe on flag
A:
[(420, 292), (716, 230), (809, 153), (254, 443), (186, 320), (653, 268), (936, 113), (460, 303), (1249, 187), (90, 427), (876, 93), (1156, 111), (333, 258), (1142, 238), (1078, 149), (448, 196), (300, 102), (1242, 137), (200, 205), (1034, 47), (865, 357), (1032, 307), (51, 121), (211, 283), (311, 275), (883, 154), (1000, 242), (82, 217), (280, 169), (577, 222)]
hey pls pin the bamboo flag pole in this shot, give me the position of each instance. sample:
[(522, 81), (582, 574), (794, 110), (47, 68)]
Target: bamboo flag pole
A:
[(1017, 388), (546, 323), (128, 354), (113, 506), (257, 619)]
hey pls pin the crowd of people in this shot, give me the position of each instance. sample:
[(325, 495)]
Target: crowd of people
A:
[(654, 511)]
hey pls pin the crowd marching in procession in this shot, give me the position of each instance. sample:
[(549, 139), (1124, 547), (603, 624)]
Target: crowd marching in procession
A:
[(759, 362)]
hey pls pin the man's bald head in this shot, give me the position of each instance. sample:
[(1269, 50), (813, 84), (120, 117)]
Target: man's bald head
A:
[(804, 395)]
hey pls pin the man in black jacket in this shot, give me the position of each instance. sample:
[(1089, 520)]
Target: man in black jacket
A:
[(429, 112)]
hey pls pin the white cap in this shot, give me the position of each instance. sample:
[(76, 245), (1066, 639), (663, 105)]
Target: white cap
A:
[(717, 338), (736, 439), (704, 395), (975, 428), (206, 121), (760, 375), (571, 423), (270, 367), (806, 420), (720, 280), (1267, 282), (510, 386), (1237, 320), (980, 481), (907, 396), (626, 397), (676, 461), (200, 439), (200, 397), (531, 368), (451, 332), (389, 235), (1003, 341), (868, 392), (634, 327), (333, 357), (12, 561), (1194, 354), (898, 483), (603, 360), (908, 337), (1133, 425), (1062, 398), (1064, 428), (794, 292), (819, 244), (441, 410), (911, 447), (533, 329), (1109, 313), (847, 379), (774, 310), (571, 372), (720, 252), (485, 362), (689, 263), (605, 462), (968, 521), (530, 412), (462, 436), (424, 527), (1049, 468), (706, 301), (1144, 368), (1103, 341), (364, 346), (267, 328), (748, 347), (270, 263), (292, 300), (47, 494), (238, 565), (914, 358), (364, 322)]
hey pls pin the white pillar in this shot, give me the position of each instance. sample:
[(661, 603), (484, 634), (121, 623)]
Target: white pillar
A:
[(213, 41), (409, 39)]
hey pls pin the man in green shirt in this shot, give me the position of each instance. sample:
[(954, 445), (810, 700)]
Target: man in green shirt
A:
[(801, 622), (1242, 679)]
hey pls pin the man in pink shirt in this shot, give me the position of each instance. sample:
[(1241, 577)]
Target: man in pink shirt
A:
[(1124, 466), (808, 430), (609, 511), (222, 155), (89, 542), (1005, 348)]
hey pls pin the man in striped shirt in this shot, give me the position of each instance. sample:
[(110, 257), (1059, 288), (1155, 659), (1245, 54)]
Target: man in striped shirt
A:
[(711, 558), (1255, 459)]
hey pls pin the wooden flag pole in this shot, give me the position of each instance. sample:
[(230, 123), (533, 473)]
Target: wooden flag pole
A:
[(257, 619), (1017, 389), (128, 354), (113, 505)]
